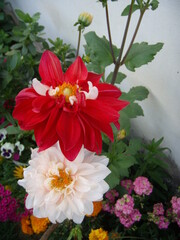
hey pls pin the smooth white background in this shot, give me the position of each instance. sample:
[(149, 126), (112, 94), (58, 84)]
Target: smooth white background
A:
[(161, 77)]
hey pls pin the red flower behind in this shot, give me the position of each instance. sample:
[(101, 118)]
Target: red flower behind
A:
[(72, 108)]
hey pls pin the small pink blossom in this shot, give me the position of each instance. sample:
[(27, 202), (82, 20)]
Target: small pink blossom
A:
[(163, 222), (142, 186), (158, 209), (124, 205), (175, 204), (128, 185)]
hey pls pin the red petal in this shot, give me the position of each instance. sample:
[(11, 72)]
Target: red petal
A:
[(50, 69), (114, 103), (77, 71), (43, 141), (72, 154), (100, 125), (92, 136), (69, 130), (100, 111), (94, 77), (108, 90)]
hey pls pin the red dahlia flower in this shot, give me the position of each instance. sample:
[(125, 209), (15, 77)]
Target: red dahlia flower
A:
[(72, 107)]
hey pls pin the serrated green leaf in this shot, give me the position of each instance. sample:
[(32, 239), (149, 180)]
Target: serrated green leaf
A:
[(126, 10), (99, 50), (119, 79), (138, 93), (133, 110), (9, 117), (125, 161), (154, 4), (140, 54)]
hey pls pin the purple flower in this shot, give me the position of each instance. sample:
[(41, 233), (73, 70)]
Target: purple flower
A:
[(158, 209), (128, 185)]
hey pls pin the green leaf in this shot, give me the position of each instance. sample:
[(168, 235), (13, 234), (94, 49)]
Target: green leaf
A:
[(14, 61), (25, 17), (126, 10), (119, 79), (124, 122), (36, 17), (1, 16), (32, 49), (136, 93), (16, 46), (133, 110), (134, 146), (13, 130), (154, 4), (140, 54), (99, 51), (125, 161), (9, 117), (7, 78)]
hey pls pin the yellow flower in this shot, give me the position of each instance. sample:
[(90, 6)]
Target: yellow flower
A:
[(18, 172), (97, 208), (98, 234), (39, 224), (121, 134), (26, 225), (85, 19), (8, 187)]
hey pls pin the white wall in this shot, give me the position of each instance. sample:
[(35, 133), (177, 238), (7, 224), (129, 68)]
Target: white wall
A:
[(161, 77)]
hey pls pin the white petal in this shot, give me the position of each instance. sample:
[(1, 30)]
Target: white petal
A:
[(40, 88)]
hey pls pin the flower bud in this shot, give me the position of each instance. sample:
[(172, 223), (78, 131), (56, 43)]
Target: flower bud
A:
[(85, 19), (121, 134)]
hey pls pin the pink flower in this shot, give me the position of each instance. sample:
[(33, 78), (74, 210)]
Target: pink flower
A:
[(128, 185), (142, 186), (163, 222), (158, 209), (175, 204), (124, 205)]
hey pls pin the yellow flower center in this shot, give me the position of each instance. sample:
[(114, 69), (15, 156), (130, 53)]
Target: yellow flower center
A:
[(67, 90), (61, 181)]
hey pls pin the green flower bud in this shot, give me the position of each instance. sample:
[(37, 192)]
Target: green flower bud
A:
[(85, 19)]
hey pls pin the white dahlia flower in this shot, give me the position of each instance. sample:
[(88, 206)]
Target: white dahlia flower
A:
[(60, 189)]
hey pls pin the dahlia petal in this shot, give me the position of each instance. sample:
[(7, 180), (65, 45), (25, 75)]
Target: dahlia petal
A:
[(94, 77), (25, 94), (76, 72), (78, 218), (50, 69), (40, 88), (69, 130), (82, 185), (29, 202), (108, 90), (71, 154), (88, 205)]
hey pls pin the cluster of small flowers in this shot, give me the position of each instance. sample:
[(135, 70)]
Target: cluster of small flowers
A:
[(174, 212), (142, 186), (157, 216), (9, 149), (128, 185), (8, 206), (124, 210), (111, 197)]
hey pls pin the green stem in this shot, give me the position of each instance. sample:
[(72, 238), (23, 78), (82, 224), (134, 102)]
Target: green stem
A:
[(117, 65), (109, 34), (79, 40), (135, 33)]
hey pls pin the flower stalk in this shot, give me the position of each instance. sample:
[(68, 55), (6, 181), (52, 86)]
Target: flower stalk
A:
[(48, 232)]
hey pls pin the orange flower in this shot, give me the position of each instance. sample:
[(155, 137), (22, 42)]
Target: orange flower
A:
[(97, 208), (31, 224), (39, 224), (26, 225)]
